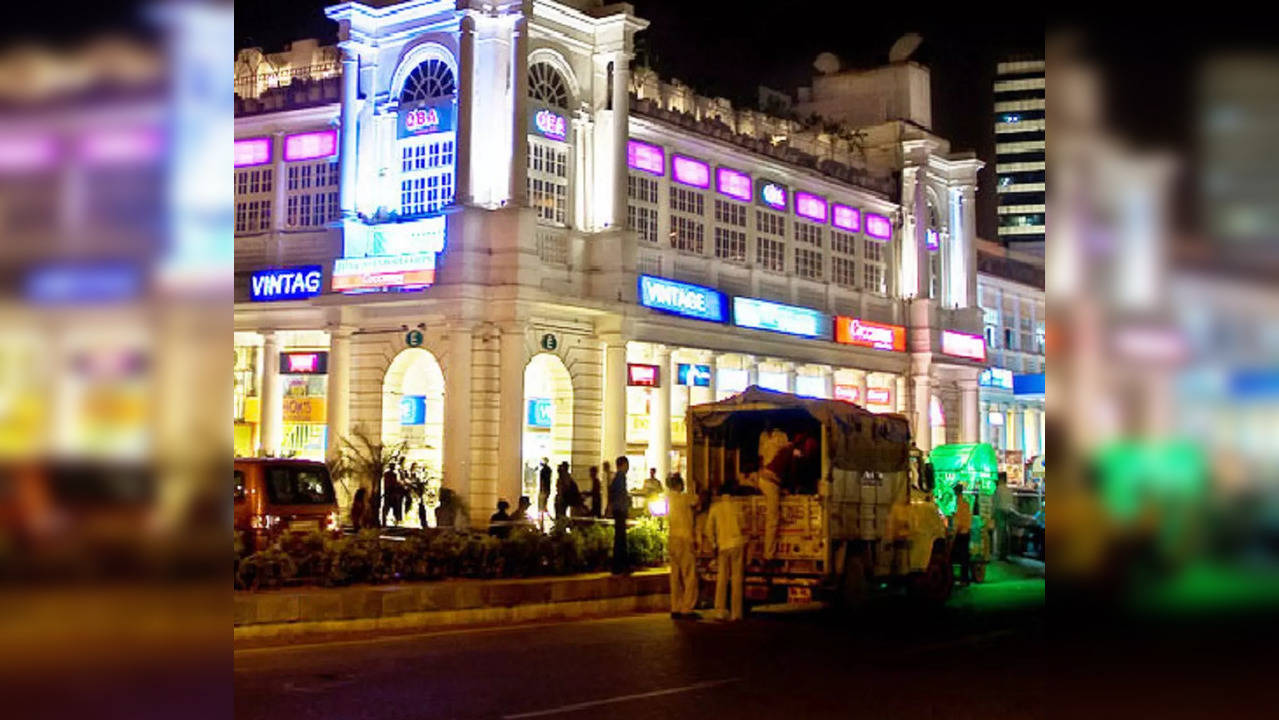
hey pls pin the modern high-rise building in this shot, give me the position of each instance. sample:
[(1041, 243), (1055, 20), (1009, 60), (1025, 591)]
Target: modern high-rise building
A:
[(1019, 154)]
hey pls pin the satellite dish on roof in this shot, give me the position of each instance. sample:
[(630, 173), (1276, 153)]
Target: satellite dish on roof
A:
[(904, 47), (827, 63)]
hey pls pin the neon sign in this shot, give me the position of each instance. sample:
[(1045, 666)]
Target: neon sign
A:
[(845, 218), (551, 125), (847, 393), (734, 184), (645, 157), (773, 195), (931, 241), (963, 345), (425, 119), (776, 317), (996, 378), (695, 375), (641, 375), (810, 206), (878, 226), (692, 301), (864, 333), (540, 413), (253, 151), (373, 273), (304, 363), (878, 396), (688, 171), (420, 120), (310, 146), (293, 283)]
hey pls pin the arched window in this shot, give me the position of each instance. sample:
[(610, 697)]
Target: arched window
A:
[(427, 138), (547, 85), (932, 241)]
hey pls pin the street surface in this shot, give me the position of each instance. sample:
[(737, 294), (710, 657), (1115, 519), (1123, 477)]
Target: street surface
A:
[(980, 657)]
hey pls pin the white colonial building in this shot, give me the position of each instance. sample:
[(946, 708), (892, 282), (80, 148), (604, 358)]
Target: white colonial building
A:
[(474, 229)]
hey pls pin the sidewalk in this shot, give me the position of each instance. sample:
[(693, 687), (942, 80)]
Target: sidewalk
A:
[(315, 614)]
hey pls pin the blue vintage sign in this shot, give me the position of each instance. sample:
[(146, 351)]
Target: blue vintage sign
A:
[(413, 410), (776, 317), (679, 298), (293, 283), (541, 413)]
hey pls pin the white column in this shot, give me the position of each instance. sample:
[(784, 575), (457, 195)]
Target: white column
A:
[(752, 370), (660, 423), (970, 431), (457, 414), (614, 421), (510, 439), (350, 96), (899, 394), (1030, 432), (923, 426), (272, 403), (863, 389), (339, 395), (1012, 427), (982, 416)]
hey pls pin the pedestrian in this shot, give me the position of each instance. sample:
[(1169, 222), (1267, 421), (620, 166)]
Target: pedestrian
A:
[(619, 502), (390, 495), (500, 521), (562, 481), (724, 531), (572, 496), (962, 524), (597, 508), (679, 523), (652, 486), (521, 512), (359, 506), (1004, 510), (543, 486)]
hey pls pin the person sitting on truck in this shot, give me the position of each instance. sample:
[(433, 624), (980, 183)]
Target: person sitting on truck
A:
[(962, 523), (806, 468), (724, 531)]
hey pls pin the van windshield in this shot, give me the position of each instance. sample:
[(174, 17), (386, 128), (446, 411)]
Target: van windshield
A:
[(299, 485)]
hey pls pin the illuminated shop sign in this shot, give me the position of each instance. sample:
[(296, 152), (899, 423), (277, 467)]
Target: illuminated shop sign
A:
[(878, 226), (695, 375), (1030, 384), (731, 380), (845, 218), (550, 125), (304, 363), (776, 317), (963, 345), (879, 396), (864, 333), (773, 380), (772, 194), (423, 235), (996, 378), (645, 157), (252, 151), (642, 375), (995, 418), (311, 145), (293, 283), (810, 386), (847, 393), (810, 206), (688, 171), (692, 301), (374, 273), (931, 240), (732, 183), (413, 410), (434, 117), (541, 413), (83, 283)]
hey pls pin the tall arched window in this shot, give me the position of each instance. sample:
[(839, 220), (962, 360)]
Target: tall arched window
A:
[(427, 138), (932, 242), (549, 143)]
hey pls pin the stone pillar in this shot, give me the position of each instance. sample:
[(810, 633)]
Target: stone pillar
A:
[(1012, 427), (863, 388), (660, 422), (614, 421), (970, 431), (272, 402), (463, 191), (923, 424), (457, 415), (350, 96), (339, 396), (1030, 432), (510, 440), (899, 394)]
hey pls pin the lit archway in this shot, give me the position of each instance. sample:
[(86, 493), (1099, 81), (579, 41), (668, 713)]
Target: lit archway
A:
[(413, 411), (548, 420)]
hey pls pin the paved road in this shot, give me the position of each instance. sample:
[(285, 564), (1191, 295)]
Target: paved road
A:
[(888, 661)]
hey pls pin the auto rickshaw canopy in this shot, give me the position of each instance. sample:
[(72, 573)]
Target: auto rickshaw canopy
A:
[(973, 464)]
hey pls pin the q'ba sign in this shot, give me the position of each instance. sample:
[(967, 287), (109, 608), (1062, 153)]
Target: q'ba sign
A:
[(550, 124), (421, 119), (864, 333)]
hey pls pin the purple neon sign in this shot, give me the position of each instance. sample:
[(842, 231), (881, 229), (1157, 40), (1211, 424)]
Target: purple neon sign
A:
[(645, 157), (878, 226), (931, 240), (688, 171), (734, 184), (311, 145), (845, 218), (810, 206), (252, 151)]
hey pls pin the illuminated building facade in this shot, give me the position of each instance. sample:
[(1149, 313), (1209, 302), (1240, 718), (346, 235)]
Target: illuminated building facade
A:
[(524, 248)]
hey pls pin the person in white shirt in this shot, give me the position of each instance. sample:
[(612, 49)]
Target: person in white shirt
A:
[(771, 442), (724, 530), (680, 507)]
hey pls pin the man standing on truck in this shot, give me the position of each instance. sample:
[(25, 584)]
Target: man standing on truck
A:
[(619, 503), (962, 523), (724, 530), (775, 455)]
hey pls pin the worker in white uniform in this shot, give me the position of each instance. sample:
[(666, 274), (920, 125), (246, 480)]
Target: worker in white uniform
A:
[(680, 507), (724, 529)]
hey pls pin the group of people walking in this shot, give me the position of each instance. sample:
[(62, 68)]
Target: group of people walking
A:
[(391, 504)]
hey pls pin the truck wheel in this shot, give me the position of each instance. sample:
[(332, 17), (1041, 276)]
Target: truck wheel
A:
[(934, 584), (852, 591)]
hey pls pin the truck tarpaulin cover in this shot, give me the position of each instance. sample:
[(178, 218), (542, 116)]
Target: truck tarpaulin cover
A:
[(859, 439)]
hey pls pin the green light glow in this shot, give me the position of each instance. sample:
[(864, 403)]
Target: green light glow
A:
[(973, 464)]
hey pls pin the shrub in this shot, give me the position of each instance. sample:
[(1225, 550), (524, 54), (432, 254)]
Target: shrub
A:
[(646, 543), (265, 568), (355, 559)]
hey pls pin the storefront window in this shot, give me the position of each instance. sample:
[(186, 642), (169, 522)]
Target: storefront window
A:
[(245, 398), (304, 415)]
